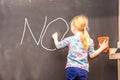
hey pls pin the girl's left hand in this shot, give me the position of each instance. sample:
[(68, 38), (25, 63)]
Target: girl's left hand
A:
[(104, 44)]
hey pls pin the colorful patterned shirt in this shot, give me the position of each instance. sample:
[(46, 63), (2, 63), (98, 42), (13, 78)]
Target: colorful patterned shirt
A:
[(77, 56)]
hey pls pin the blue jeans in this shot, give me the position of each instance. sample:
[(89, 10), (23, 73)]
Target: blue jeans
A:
[(73, 73)]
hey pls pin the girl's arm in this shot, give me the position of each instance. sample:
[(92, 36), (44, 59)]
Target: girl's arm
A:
[(99, 50), (60, 44)]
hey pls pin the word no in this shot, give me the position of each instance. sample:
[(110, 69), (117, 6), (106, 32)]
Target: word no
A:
[(44, 30)]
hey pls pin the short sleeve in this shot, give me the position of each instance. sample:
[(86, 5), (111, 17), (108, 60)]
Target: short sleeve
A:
[(63, 43), (91, 48)]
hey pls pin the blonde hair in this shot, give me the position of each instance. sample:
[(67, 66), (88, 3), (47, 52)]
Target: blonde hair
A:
[(80, 22)]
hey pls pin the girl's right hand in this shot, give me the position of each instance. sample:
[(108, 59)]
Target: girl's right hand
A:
[(55, 35)]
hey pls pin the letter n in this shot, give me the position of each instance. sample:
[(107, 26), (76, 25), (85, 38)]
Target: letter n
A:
[(26, 25)]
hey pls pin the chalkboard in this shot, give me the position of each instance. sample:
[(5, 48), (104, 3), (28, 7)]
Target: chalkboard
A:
[(27, 51)]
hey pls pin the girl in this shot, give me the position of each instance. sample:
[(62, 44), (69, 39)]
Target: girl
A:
[(80, 46)]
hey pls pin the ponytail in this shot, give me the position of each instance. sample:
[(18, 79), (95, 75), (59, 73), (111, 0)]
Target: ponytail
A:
[(85, 39)]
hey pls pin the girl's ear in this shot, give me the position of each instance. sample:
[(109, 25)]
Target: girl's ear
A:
[(73, 30)]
